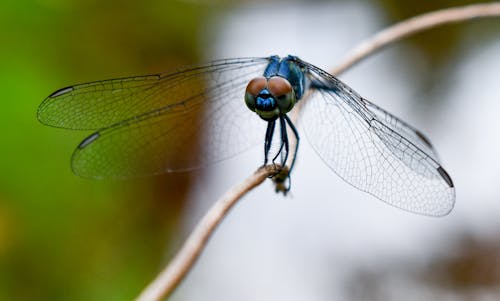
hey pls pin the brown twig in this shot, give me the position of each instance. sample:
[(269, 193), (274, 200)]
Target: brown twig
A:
[(414, 25), (177, 269), (170, 277)]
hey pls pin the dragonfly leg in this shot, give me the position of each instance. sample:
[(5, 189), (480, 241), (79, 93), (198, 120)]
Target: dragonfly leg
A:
[(297, 138), (284, 142), (268, 139), (282, 178)]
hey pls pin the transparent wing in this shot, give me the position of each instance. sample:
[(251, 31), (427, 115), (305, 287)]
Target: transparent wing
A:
[(96, 105), (212, 116), (402, 128), (373, 150)]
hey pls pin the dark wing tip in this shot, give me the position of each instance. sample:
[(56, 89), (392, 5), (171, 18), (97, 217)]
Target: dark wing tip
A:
[(47, 103), (79, 166), (424, 138), (89, 140), (61, 91), (445, 176)]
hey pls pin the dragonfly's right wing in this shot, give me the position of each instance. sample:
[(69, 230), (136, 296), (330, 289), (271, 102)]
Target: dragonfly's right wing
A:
[(404, 129), (99, 104), (373, 150), (160, 123)]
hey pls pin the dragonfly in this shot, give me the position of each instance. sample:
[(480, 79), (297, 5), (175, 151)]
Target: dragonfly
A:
[(153, 124)]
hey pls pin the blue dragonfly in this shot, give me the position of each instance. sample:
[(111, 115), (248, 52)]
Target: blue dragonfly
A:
[(150, 124)]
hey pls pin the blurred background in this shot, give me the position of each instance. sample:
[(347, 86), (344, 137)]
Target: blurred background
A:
[(67, 238)]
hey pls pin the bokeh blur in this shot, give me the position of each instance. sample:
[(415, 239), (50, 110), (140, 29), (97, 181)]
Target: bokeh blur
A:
[(67, 238)]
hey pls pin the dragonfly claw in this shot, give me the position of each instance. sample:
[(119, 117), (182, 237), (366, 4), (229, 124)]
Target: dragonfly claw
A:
[(282, 180)]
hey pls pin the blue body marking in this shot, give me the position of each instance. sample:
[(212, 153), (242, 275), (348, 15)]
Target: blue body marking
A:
[(288, 69), (265, 101)]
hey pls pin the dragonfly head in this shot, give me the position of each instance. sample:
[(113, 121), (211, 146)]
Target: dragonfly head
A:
[(270, 97)]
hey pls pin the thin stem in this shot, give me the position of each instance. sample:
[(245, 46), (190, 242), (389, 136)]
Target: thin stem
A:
[(177, 269), (414, 25)]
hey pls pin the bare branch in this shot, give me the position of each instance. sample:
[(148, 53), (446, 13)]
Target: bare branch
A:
[(177, 269), (414, 25)]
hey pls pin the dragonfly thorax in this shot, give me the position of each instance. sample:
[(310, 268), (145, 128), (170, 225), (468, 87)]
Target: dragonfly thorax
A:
[(270, 97)]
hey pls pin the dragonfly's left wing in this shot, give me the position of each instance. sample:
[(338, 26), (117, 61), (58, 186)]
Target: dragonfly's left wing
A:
[(373, 150), (207, 122), (100, 104)]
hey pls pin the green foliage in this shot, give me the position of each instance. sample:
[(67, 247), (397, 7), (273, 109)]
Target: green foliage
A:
[(62, 237)]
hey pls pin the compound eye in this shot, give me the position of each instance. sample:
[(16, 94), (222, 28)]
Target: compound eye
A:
[(256, 85), (279, 86), (282, 90)]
